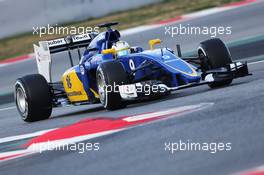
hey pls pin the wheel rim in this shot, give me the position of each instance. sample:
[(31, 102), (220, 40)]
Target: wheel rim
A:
[(202, 54), (21, 100), (101, 88)]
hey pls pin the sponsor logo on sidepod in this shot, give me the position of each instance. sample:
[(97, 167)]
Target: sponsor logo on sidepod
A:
[(56, 42)]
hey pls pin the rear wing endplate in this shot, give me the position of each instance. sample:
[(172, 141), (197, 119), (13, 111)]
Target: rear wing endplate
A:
[(46, 48)]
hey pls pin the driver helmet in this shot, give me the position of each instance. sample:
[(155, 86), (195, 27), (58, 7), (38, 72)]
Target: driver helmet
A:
[(122, 48)]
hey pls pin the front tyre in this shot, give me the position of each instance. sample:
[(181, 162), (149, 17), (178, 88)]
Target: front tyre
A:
[(109, 76), (33, 98), (214, 54)]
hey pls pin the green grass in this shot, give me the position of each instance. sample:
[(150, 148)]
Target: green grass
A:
[(22, 44)]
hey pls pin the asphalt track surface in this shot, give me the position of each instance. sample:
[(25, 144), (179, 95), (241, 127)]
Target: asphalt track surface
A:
[(236, 116)]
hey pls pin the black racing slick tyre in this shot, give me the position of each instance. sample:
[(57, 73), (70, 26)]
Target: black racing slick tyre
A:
[(109, 76), (33, 98), (215, 54)]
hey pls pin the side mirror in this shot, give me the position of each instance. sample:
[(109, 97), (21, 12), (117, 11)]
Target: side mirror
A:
[(153, 42), (109, 51)]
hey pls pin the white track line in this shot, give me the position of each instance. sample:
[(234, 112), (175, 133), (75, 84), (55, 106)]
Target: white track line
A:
[(45, 146), (15, 154), (24, 136), (128, 119), (7, 108), (52, 145), (165, 112), (48, 146), (256, 62), (2, 65), (184, 17), (256, 170)]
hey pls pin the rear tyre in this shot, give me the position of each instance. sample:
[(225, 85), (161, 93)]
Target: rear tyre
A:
[(33, 98), (109, 75), (214, 54)]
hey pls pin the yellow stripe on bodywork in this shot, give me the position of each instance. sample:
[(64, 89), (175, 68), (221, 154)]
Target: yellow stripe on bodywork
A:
[(193, 74), (73, 86)]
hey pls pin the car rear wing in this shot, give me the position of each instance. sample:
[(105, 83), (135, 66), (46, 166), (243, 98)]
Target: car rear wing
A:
[(46, 48)]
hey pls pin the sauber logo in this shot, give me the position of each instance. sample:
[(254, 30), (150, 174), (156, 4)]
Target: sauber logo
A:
[(56, 42)]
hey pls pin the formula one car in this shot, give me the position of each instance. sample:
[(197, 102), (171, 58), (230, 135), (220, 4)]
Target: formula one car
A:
[(111, 72)]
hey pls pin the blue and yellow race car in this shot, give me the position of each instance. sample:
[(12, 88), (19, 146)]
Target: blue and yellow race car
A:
[(111, 72)]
